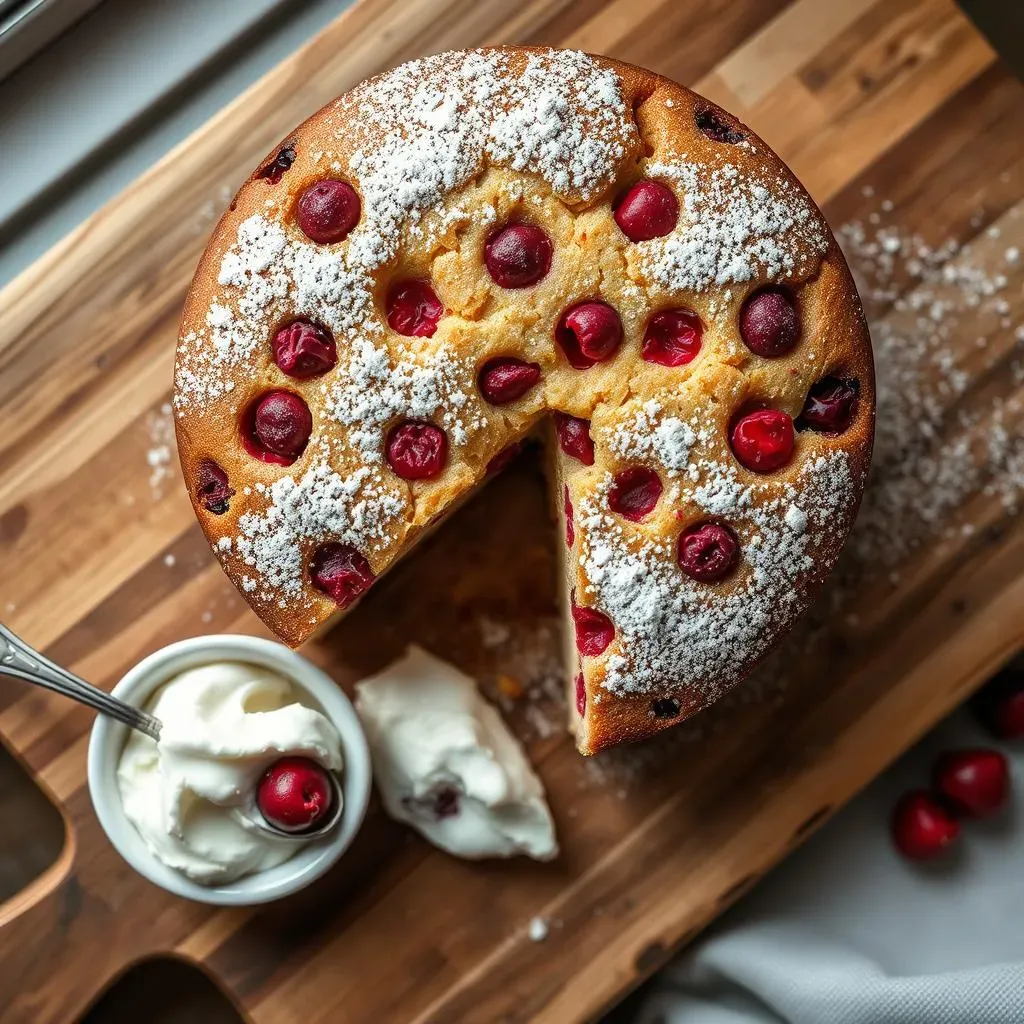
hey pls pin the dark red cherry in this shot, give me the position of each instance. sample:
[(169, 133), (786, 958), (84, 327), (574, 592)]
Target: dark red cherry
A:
[(634, 493), (673, 337), (769, 323), (417, 450), (922, 829), (518, 255), (581, 695), (718, 126), (276, 427), (273, 172), (212, 489), (304, 349), (341, 572), (708, 552), (327, 211), (648, 210), (413, 309), (830, 407), (762, 440), (975, 783), (589, 333), (574, 437), (506, 379), (594, 630), (294, 794)]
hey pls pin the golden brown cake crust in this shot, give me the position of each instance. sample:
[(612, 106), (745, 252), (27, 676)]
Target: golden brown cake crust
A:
[(745, 222)]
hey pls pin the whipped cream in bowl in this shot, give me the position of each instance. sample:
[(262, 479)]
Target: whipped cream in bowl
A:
[(231, 707)]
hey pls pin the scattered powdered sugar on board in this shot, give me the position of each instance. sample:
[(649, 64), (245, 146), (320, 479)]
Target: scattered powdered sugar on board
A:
[(927, 305), (538, 929), (733, 228), (934, 448), (160, 453)]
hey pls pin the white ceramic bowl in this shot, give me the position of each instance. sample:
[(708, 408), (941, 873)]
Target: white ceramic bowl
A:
[(108, 739)]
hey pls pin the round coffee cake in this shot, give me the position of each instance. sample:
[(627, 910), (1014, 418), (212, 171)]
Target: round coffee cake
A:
[(482, 245)]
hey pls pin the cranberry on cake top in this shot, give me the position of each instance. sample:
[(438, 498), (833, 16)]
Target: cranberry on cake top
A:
[(484, 244)]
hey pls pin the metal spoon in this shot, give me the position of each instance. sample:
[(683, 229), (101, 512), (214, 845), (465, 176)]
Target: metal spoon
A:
[(20, 660)]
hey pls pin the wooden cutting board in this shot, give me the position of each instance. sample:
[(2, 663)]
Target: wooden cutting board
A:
[(893, 112)]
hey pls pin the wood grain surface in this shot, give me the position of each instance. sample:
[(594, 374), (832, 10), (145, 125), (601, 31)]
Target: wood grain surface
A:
[(101, 561)]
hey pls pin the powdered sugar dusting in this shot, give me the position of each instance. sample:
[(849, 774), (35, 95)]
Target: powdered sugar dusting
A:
[(649, 435), (375, 389), (270, 276), (673, 632), (359, 509), (734, 227), (432, 124)]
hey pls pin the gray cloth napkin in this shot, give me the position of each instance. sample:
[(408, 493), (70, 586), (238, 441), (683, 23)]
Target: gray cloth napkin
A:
[(846, 932)]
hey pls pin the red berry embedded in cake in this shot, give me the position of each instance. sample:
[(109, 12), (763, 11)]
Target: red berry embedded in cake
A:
[(574, 437), (921, 827), (417, 450), (594, 630), (708, 552), (213, 491), (673, 337), (570, 533), (763, 440), (506, 378), (341, 572), (276, 427), (769, 323), (327, 211), (634, 493), (831, 406), (974, 783), (304, 349), (504, 457), (589, 333), (718, 126), (294, 794), (274, 171), (581, 695), (518, 255), (648, 210), (414, 309)]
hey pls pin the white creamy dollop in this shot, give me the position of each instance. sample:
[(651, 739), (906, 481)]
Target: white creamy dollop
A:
[(445, 762), (224, 724)]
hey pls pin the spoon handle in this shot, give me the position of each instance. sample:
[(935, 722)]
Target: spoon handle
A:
[(18, 659)]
